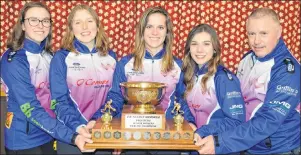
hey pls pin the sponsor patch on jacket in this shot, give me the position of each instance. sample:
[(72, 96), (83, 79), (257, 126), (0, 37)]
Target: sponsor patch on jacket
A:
[(289, 65), (233, 94), (26, 109), (236, 109), (9, 119), (53, 104), (11, 55), (286, 90), (281, 107), (76, 66)]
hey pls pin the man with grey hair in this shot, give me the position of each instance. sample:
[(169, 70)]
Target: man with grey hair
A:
[(270, 84)]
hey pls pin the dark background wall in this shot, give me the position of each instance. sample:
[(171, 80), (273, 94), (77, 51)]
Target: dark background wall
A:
[(3, 118)]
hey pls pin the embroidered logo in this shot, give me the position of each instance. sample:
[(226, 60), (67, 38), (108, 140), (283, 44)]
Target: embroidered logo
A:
[(290, 66), (53, 104), (286, 90), (281, 107), (233, 94), (26, 109)]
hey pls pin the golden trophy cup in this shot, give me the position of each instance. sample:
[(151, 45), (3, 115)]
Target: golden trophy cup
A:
[(143, 95), (142, 124)]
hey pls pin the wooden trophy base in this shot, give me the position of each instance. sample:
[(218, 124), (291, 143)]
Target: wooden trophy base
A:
[(120, 135)]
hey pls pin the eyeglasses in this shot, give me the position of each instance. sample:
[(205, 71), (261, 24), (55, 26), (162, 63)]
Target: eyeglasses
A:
[(34, 22)]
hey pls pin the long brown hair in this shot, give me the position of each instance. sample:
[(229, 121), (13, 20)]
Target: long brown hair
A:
[(101, 39), (16, 38), (139, 49), (189, 65)]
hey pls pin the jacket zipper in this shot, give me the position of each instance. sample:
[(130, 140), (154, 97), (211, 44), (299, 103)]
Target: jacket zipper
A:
[(27, 127), (96, 91), (153, 70)]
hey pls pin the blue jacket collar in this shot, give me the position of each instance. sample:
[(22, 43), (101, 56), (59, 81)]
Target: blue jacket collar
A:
[(159, 55), (33, 47), (276, 51), (201, 69), (80, 47)]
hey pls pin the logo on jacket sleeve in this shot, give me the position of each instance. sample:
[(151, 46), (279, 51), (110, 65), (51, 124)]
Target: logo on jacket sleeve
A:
[(281, 107), (286, 90), (9, 119), (53, 104), (26, 109)]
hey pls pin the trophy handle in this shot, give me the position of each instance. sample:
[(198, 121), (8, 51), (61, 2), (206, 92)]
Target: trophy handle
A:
[(163, 92), (123, 90)]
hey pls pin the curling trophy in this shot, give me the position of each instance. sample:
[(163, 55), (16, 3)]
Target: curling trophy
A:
[(142, 124)]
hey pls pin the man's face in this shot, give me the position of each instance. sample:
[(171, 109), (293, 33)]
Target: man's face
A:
[(263, 35)]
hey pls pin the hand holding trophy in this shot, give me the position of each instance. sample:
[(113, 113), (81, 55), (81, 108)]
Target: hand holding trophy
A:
[(143, 124)]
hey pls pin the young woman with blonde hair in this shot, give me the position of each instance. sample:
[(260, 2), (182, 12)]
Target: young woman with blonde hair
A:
[(81, 72), (151, 60)]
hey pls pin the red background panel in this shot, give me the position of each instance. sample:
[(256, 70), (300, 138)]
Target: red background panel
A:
[(120, 18)]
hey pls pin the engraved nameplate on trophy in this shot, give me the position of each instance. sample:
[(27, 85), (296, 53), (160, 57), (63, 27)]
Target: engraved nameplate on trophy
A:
[(133, 121), (130, 120)]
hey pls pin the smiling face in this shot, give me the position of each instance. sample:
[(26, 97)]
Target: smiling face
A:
[(36, 33), (263, 34), (155, 33), (201, 48), (84, 27)]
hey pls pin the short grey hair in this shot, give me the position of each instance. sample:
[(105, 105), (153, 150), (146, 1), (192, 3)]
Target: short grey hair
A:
[(261, 12)]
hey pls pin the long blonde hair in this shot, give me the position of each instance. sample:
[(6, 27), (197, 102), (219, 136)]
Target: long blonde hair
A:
[(189, 65), (16, 38), (139, 49), (101, 39)]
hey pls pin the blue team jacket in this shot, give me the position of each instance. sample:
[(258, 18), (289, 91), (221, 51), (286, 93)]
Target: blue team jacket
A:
[(30, 121), (79, 83), (151, 72), (221, 107), (271, 90)]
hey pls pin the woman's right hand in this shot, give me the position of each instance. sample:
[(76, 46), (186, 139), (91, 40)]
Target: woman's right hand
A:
[(91, 124), (84, 132), (80, 142)]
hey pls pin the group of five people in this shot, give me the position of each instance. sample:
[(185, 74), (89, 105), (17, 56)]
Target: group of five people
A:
[(60, 95)]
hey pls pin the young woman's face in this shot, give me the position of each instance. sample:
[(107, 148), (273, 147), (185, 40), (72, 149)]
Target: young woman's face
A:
[(36, 24), (155, 32), (84, 27), (201, 48)]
